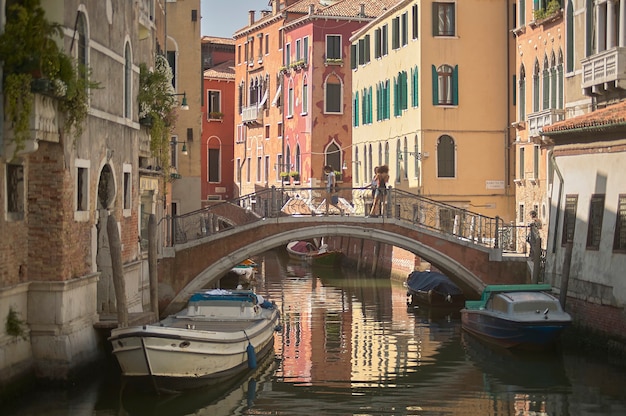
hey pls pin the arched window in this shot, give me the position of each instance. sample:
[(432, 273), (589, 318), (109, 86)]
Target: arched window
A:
[(82, 41), (288, 159), (545, 78), (553, 82), (213, 160), (445, 85), (290, 98), (298, 158), (522, 94), (406, 159), (305, 95), (380, 154), (445, 157), (333, 156), (387, 153), (536, 91), (398, 165), (127, 80), (333, 93)]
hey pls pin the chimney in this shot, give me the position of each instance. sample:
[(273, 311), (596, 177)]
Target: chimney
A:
[(362, 14), (311, 8), (250, 17), (275, 7)]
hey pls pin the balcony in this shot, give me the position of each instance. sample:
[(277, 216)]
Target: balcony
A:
[(146, 18), (605, 70), (252, 114), (538, 120), (44, 126)]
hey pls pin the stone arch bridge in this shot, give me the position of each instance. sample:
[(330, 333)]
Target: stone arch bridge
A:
[(202, 246)]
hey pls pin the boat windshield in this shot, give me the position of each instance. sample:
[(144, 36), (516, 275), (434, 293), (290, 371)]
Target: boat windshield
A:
[(535, 306)]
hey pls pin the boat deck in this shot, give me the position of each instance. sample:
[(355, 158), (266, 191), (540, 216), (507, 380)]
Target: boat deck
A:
[(218, 326)]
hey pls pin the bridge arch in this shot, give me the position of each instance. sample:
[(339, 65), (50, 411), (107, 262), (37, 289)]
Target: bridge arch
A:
[(449, 265)]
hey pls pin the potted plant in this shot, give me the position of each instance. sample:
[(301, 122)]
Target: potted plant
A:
[(34, 63), (216, 115), (295, 175), (157, 105)]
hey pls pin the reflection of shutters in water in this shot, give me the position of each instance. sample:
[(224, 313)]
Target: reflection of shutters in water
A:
[(446, 220)]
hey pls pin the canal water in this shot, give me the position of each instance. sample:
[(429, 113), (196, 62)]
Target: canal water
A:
[(350, 345)]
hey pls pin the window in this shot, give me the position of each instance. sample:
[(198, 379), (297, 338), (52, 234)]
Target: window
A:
[(290, 99), (267, 131), (128, 69), (298, 49), (522, 161), (83, 36), (377, 43), (404, 29), (82, 188), (445, 157), (415, 25), (355, 109), (443, 19), (266, 168), (238, 173), (536, 91), (267, 44), (305, 49), (333, 88), (522, 13), (305, 95), (414, 87), (287, 54), (569, 219), (279, 166), (333, 47), (249, 169), (596, 213), (15, 191), (445, 85), (384, 40), (213, 104), (545, 79), (259, 161), (279, 129), (333, 156), (395, 33), (522, 95), (171, 59), (298, 158), (128, 188), (400, 100), (619, 242), (213, 169), (383, 99)]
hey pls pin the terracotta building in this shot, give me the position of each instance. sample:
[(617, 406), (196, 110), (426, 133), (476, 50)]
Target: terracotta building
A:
[(218, 119)]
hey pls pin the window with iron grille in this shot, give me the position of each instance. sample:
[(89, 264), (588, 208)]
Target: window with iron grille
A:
[(569, 219), (596, 214)]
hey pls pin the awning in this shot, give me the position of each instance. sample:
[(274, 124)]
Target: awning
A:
[(277, 96), (264, 99)]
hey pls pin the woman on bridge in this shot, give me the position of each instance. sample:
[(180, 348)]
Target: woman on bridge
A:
[(380, 192)]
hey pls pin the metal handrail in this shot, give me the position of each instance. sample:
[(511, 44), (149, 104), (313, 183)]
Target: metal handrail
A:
[(411, 209)]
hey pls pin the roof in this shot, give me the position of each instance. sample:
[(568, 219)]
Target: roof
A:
[(217, 40), (608, 117), (225, 70), (352, 8)]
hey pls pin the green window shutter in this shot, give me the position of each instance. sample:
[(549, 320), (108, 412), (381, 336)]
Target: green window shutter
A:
[(455, 85), (416, 89), (371, 110), (388, 103), (405, 93), (353, 56), (435, 86), (356, 110)]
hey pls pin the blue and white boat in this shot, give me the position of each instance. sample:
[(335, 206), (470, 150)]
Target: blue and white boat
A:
[(525, 316), (220, 334)]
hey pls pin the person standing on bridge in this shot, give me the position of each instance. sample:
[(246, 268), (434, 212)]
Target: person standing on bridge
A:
[(380, 194)]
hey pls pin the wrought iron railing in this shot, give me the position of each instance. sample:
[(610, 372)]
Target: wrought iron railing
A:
[(411, 209)]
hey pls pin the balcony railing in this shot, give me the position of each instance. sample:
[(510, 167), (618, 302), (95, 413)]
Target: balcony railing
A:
[(606, 67), (252, 114), (538, 120)]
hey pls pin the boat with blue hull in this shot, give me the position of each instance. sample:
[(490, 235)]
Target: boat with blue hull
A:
[(523, 316), (433, 289), (219, 335)]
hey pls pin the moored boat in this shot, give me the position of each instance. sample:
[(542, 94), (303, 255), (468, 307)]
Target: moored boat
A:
[(218, 335), (525, 316), (307, 251), (433, 289)]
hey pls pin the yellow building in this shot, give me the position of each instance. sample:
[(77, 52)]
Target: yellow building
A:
[(430, 100)]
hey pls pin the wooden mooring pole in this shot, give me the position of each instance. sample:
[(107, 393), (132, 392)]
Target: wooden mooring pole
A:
[(119, 283), (152, 265)]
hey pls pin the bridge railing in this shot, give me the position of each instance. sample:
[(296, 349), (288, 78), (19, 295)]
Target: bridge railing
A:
[(297, 201)]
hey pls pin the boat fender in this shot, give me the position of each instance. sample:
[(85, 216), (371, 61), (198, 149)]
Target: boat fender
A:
[(251, 353), (251, 356)]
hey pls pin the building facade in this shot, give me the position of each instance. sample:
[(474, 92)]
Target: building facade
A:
[(421, 107), (62, 187), (539, 91), (218, 120)]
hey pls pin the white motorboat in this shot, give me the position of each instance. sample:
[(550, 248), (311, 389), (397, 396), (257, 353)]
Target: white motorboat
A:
[(220, 334)]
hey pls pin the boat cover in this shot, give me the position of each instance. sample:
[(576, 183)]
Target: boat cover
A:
[(425, 281)]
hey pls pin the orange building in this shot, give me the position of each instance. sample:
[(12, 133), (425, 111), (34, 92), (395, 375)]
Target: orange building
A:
[(216, 156)]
